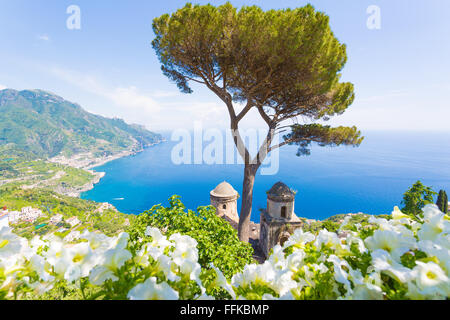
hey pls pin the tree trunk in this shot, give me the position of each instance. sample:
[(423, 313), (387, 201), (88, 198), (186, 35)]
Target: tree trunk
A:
[(247, 199)]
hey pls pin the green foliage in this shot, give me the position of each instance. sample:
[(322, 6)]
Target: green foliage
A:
[(330, 226), (217, 240), (442, 201), (417, 197), (45, 125), (305, 135)]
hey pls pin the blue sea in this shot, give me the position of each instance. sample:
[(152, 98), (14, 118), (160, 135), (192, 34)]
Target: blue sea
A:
[(369, 179)]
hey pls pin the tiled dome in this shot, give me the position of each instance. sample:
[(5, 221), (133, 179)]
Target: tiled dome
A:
[(281, 192)]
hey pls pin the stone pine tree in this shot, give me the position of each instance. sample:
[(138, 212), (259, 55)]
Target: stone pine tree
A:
[(442, 201), (286, 64)]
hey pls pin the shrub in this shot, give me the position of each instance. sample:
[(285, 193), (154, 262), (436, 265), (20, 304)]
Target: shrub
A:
[(218, 242)]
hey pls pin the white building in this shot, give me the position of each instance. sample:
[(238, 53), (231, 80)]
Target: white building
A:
[(30, 215), (224, 199), (73, 221), (56, 219)]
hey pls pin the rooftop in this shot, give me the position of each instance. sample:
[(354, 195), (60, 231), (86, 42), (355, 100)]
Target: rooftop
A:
[(281, 192), (224, 190)]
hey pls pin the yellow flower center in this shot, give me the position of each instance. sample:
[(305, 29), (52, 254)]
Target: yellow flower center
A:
[(431, 275), (3, 243), (77, 258)]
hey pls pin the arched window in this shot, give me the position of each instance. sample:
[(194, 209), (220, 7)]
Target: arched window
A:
[(224, 206), (283, 212)]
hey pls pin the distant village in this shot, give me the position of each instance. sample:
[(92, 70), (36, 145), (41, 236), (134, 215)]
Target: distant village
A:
[(66, 226)]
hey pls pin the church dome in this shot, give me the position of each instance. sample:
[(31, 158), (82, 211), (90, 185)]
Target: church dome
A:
[(280, 193), (224, 190)]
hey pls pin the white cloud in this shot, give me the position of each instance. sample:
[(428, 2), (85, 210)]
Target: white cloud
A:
[(2, 87), (150, 109), (128, 97), (43, 37)]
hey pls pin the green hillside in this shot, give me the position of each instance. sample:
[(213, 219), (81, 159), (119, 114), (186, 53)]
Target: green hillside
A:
[(46, 125)]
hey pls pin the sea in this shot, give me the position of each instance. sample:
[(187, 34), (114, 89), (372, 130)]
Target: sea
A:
[(332, 180)]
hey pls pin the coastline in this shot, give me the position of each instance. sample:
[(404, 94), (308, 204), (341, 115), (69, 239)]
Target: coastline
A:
[(97, 162)]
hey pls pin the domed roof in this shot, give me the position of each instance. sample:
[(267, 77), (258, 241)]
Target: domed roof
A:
[(280, 192), (224, 190)]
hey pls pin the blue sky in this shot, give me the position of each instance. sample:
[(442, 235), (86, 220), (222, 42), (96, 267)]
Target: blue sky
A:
[(401, 71)]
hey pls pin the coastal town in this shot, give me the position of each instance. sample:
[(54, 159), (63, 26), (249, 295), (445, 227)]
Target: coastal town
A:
[(34, 221)]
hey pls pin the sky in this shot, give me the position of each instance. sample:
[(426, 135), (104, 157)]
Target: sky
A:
[(400, 70)]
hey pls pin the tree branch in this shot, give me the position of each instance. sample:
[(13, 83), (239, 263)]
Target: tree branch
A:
[(264, 115), (245, 111)]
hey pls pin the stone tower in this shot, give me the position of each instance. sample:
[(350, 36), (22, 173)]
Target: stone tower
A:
[(224, 199), (278, 221)]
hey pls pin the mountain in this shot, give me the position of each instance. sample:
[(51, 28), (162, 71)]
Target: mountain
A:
[(47, 125)]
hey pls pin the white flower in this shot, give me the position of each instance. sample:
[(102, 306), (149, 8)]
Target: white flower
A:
[(299, 239), (435, 224), (393, 225), (10, 243), (295, 260), (182, 252), (167, 266), (79, 261), (150, 290), (42, 268), (121, 241), (383, 262), (340, 274), (146, 252), (183, 240), (437, 251), (283, 282), (11, 265), (432, 280), (257, 274), (54, 256), (329, 239), (222, 282), (109, 262), (351, 239), (191, 269), (277, 258), (158, 239), (98, 241), (398, 215), (393, 242)]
